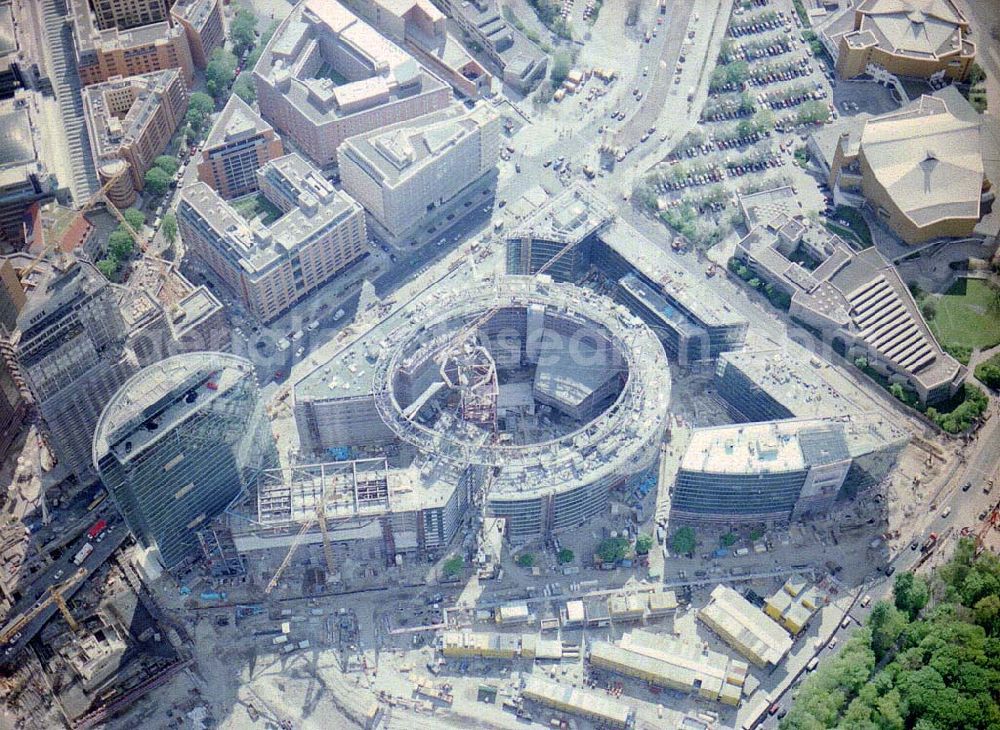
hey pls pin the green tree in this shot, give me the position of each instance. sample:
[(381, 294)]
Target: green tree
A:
[(243, 31), (643, 544), (613, 549), (897, 391), (109, 268), (136, 218), (199, 112), (987, 614), (728, 540), (244, 88), (526, 560), (157, 181), (120, 245), (887, 624), (976, 74), (684, 541), (928, 309), (560, 68), (220, 72), (565, 556), (910, 594), (453, 566), (168, 164), (169, 227), (756, 534), (265, 37)]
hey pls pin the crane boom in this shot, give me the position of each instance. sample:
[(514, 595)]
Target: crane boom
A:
[(288, 558), (55, 594)]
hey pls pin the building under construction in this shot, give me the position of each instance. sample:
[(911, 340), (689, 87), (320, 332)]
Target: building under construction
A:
[(527, 398)]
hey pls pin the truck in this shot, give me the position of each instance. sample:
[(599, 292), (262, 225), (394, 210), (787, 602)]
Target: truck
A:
[(740, 552), (929, 542), (97, 528), (82, 554), (691, 94)]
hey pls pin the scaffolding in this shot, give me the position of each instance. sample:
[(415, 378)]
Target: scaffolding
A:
[(469, 368)]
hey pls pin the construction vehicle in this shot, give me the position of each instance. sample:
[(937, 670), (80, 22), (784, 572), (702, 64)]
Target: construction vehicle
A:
[(992, 521), (55, 596)]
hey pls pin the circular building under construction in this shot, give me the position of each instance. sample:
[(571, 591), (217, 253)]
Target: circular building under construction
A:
[(535, 396)]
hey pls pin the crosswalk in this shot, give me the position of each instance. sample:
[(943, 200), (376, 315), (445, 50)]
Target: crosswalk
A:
[(66, 83)]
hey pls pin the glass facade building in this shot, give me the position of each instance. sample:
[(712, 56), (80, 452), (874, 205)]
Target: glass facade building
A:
[(177, 443)]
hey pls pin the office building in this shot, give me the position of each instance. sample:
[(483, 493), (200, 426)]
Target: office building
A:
[(522, 63), (745, 627), (326, 75), (14, 408), (176, 444), (25, 183), (70, 350), (423, 29), (670, 663), (104, 54), (762, 472), (406, 172), (921, 169), (691, 321), (855, 301), (311, 233), (202, 23), (125, 14), (906, 38), (131, 120), (239, 144)]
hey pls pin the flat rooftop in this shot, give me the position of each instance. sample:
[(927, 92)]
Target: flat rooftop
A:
[(236, 121), (569, 217)]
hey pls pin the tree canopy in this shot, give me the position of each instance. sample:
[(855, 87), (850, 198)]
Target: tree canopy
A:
[(613, 549), (643, 544), (243, 31), (453, 566), (220, 72), (940, 663), (157, 181), (684, 541), (169, 227), (244, 88)]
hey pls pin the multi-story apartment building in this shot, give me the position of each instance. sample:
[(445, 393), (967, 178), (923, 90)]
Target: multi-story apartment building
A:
[(271, 265), (103, 54), (131, 120), (326, 75), (202, 22), (176, 444), (406, 171), (910, 38), (70, 349), (239, 145), (125, 14)]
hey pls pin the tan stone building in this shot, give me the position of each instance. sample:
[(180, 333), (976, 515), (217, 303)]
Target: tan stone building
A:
[(272, 264), (104, 54), (239, 145), (131, 120), (202, 22), (917, 38), (919, 168)]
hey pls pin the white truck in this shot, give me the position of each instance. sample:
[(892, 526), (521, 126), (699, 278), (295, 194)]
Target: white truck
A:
[(82, 554)]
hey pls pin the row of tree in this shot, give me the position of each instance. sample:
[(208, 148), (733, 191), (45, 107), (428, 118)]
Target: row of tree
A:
[(928, 659)]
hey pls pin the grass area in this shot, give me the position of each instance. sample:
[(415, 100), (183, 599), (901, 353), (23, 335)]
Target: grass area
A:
[(252, 206), (800, 10), (848, 223), (967, 315)]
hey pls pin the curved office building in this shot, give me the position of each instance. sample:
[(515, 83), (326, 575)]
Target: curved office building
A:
[(175, 445)]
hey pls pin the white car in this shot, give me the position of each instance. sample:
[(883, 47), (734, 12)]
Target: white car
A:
[(298, 335), (283, 344), (312, 326), (300, 352)]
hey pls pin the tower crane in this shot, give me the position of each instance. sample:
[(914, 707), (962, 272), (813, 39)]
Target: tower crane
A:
[(55, 596), (320, 517)]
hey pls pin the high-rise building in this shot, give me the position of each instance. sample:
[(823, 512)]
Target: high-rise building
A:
[(408, 171), (202, 22), (310, 233), (131, 120), (239, 145), (70, 350), (125, 14), (176, 444)]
